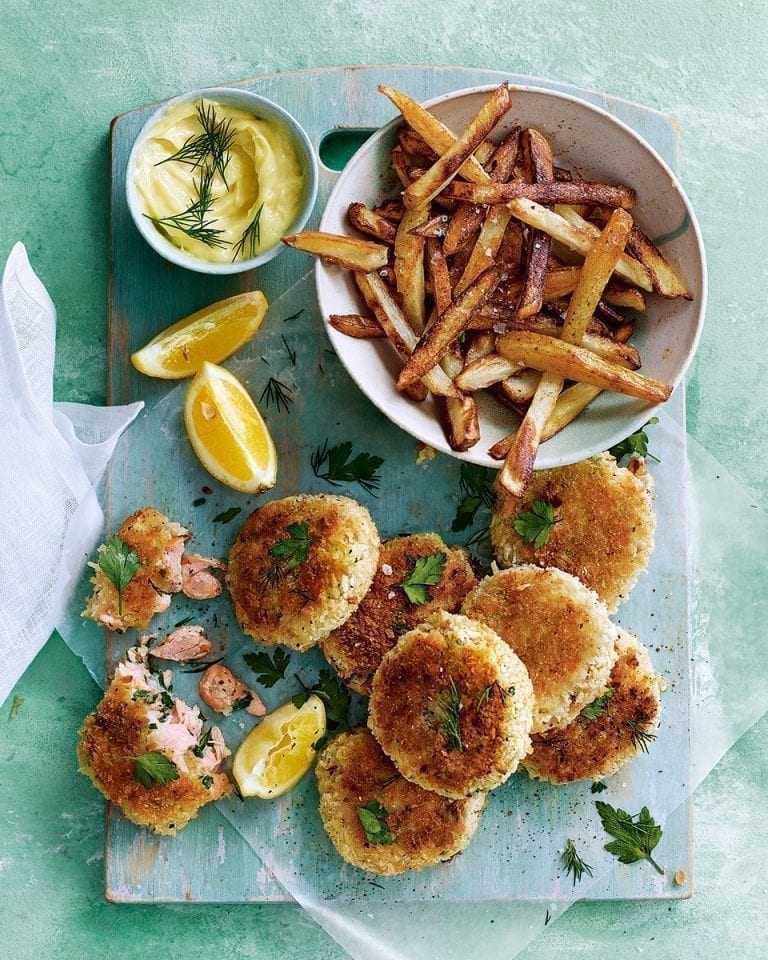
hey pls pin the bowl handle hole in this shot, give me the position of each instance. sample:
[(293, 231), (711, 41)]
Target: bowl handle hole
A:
[(337, 147)]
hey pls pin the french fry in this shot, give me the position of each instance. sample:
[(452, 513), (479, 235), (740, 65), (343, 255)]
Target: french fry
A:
[(552, 355), (409, 266), (436, 134), (392, 210), (520, 388), (434, 227), (439, 277), (413, 143), (575, 238), (666, 281), (397, 328), (349, 252), (370, 222), (619, 295), (440, 335), (460, 412), (537, 155), (484, 372), (486, 246), (355, 325), (578, 191), (480, 345), (449, 163), (599, 264), (400, 166), (463, 225)]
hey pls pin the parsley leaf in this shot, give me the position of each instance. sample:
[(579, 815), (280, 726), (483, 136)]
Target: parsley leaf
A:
[(335, 466), (535, 525), (373, 818), (227, 515), (427, 572), (120, 565), (334, 695), (154, 767), (636, 835), (573, 863), (292, 550), (477, 487), (598, 707), (635, 445), (268, 669)]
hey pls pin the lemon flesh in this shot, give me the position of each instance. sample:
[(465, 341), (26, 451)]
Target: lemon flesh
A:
[(280, 750), (227, 432), (212, 334)]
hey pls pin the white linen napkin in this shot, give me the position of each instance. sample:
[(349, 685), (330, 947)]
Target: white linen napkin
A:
[(51, 458)]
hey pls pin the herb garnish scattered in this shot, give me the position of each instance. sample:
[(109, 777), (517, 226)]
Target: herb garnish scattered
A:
[(268, 669), (212, 144), (535, 525), (227, 515), (292, 550), (202, 665), (207, 781), (335, 466), (598, 707), (154, 767), (333, 694), (120, 565), (640, 737), (202, 742), (291, 353), (598, 787), (251, 238), (373, 818), (294, 316), (635, 445), (487, 693), (427, 572), (574, 864), (448, 713), (276, 393), (194, 221), (477, 487), (636, 836)]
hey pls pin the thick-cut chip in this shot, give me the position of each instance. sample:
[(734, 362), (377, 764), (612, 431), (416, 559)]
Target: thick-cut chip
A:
[(347, 252), (665, 280), (434, 227), (460, 412), (409, 266), (537, 157), (368, 221), (357, 326), (486, 247), (439, 277), (580, 191)]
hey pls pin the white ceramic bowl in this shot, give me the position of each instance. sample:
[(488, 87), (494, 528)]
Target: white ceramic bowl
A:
[(599, 147), (259, 107)]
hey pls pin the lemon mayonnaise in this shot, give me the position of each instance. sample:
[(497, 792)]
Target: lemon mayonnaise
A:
[(219, 204)]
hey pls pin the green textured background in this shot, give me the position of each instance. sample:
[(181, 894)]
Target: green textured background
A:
[(65, 71)]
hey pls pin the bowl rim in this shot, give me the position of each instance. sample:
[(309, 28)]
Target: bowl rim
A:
[(169, 251), (633, 422)]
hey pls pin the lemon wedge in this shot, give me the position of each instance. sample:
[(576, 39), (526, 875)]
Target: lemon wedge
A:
[(213, 334), (227, 432), (280, 750)]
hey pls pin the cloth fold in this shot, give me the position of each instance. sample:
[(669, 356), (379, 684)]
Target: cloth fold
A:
[(52, 456)]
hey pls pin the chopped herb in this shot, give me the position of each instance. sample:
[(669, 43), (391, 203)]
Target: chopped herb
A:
[(291, 353), (142, 695), (448, 713), (598, 787), (292, 550), (573, 863), (427, 572), (335, 466), (242, 703), (154, 767), (192, 221), (641, 738), (268, 669), (227, 515), (15, 706), (635, 445), (120, 565), (373, 818), (198, 502), (477, 486), (535, 525), (276, 394), (207, 781), (487, 693), (202, 742), (202, 665), (294, 316), (636, 835), (180, 623), (598, 707), (250, 240), (333, 694)]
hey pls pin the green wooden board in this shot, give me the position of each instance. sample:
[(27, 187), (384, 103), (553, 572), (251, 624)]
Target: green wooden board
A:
[(208, 861)]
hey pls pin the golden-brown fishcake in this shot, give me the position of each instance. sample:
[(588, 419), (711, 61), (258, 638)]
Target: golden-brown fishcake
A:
[(138, 715), (277, 602), (558, 628), (425, 828), (355, 649), (593, 749), (451, 706), (604, 530), (159, 544)]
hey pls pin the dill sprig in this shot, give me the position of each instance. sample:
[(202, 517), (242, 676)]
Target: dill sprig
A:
[(277, 394), (211, 145), (641, 738), (192, 221), (448, 713), (573, 863), (251, 238)]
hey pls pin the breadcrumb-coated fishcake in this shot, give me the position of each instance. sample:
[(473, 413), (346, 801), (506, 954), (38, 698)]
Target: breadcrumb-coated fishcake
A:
[(451, 706), (119, 730), (298, 606), (426, 828), (604, 533), (355, 649), (158, 542), (599, 748), (558, 628)]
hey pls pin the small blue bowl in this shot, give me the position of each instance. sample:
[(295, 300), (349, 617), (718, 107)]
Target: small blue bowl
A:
[(259, 107)]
